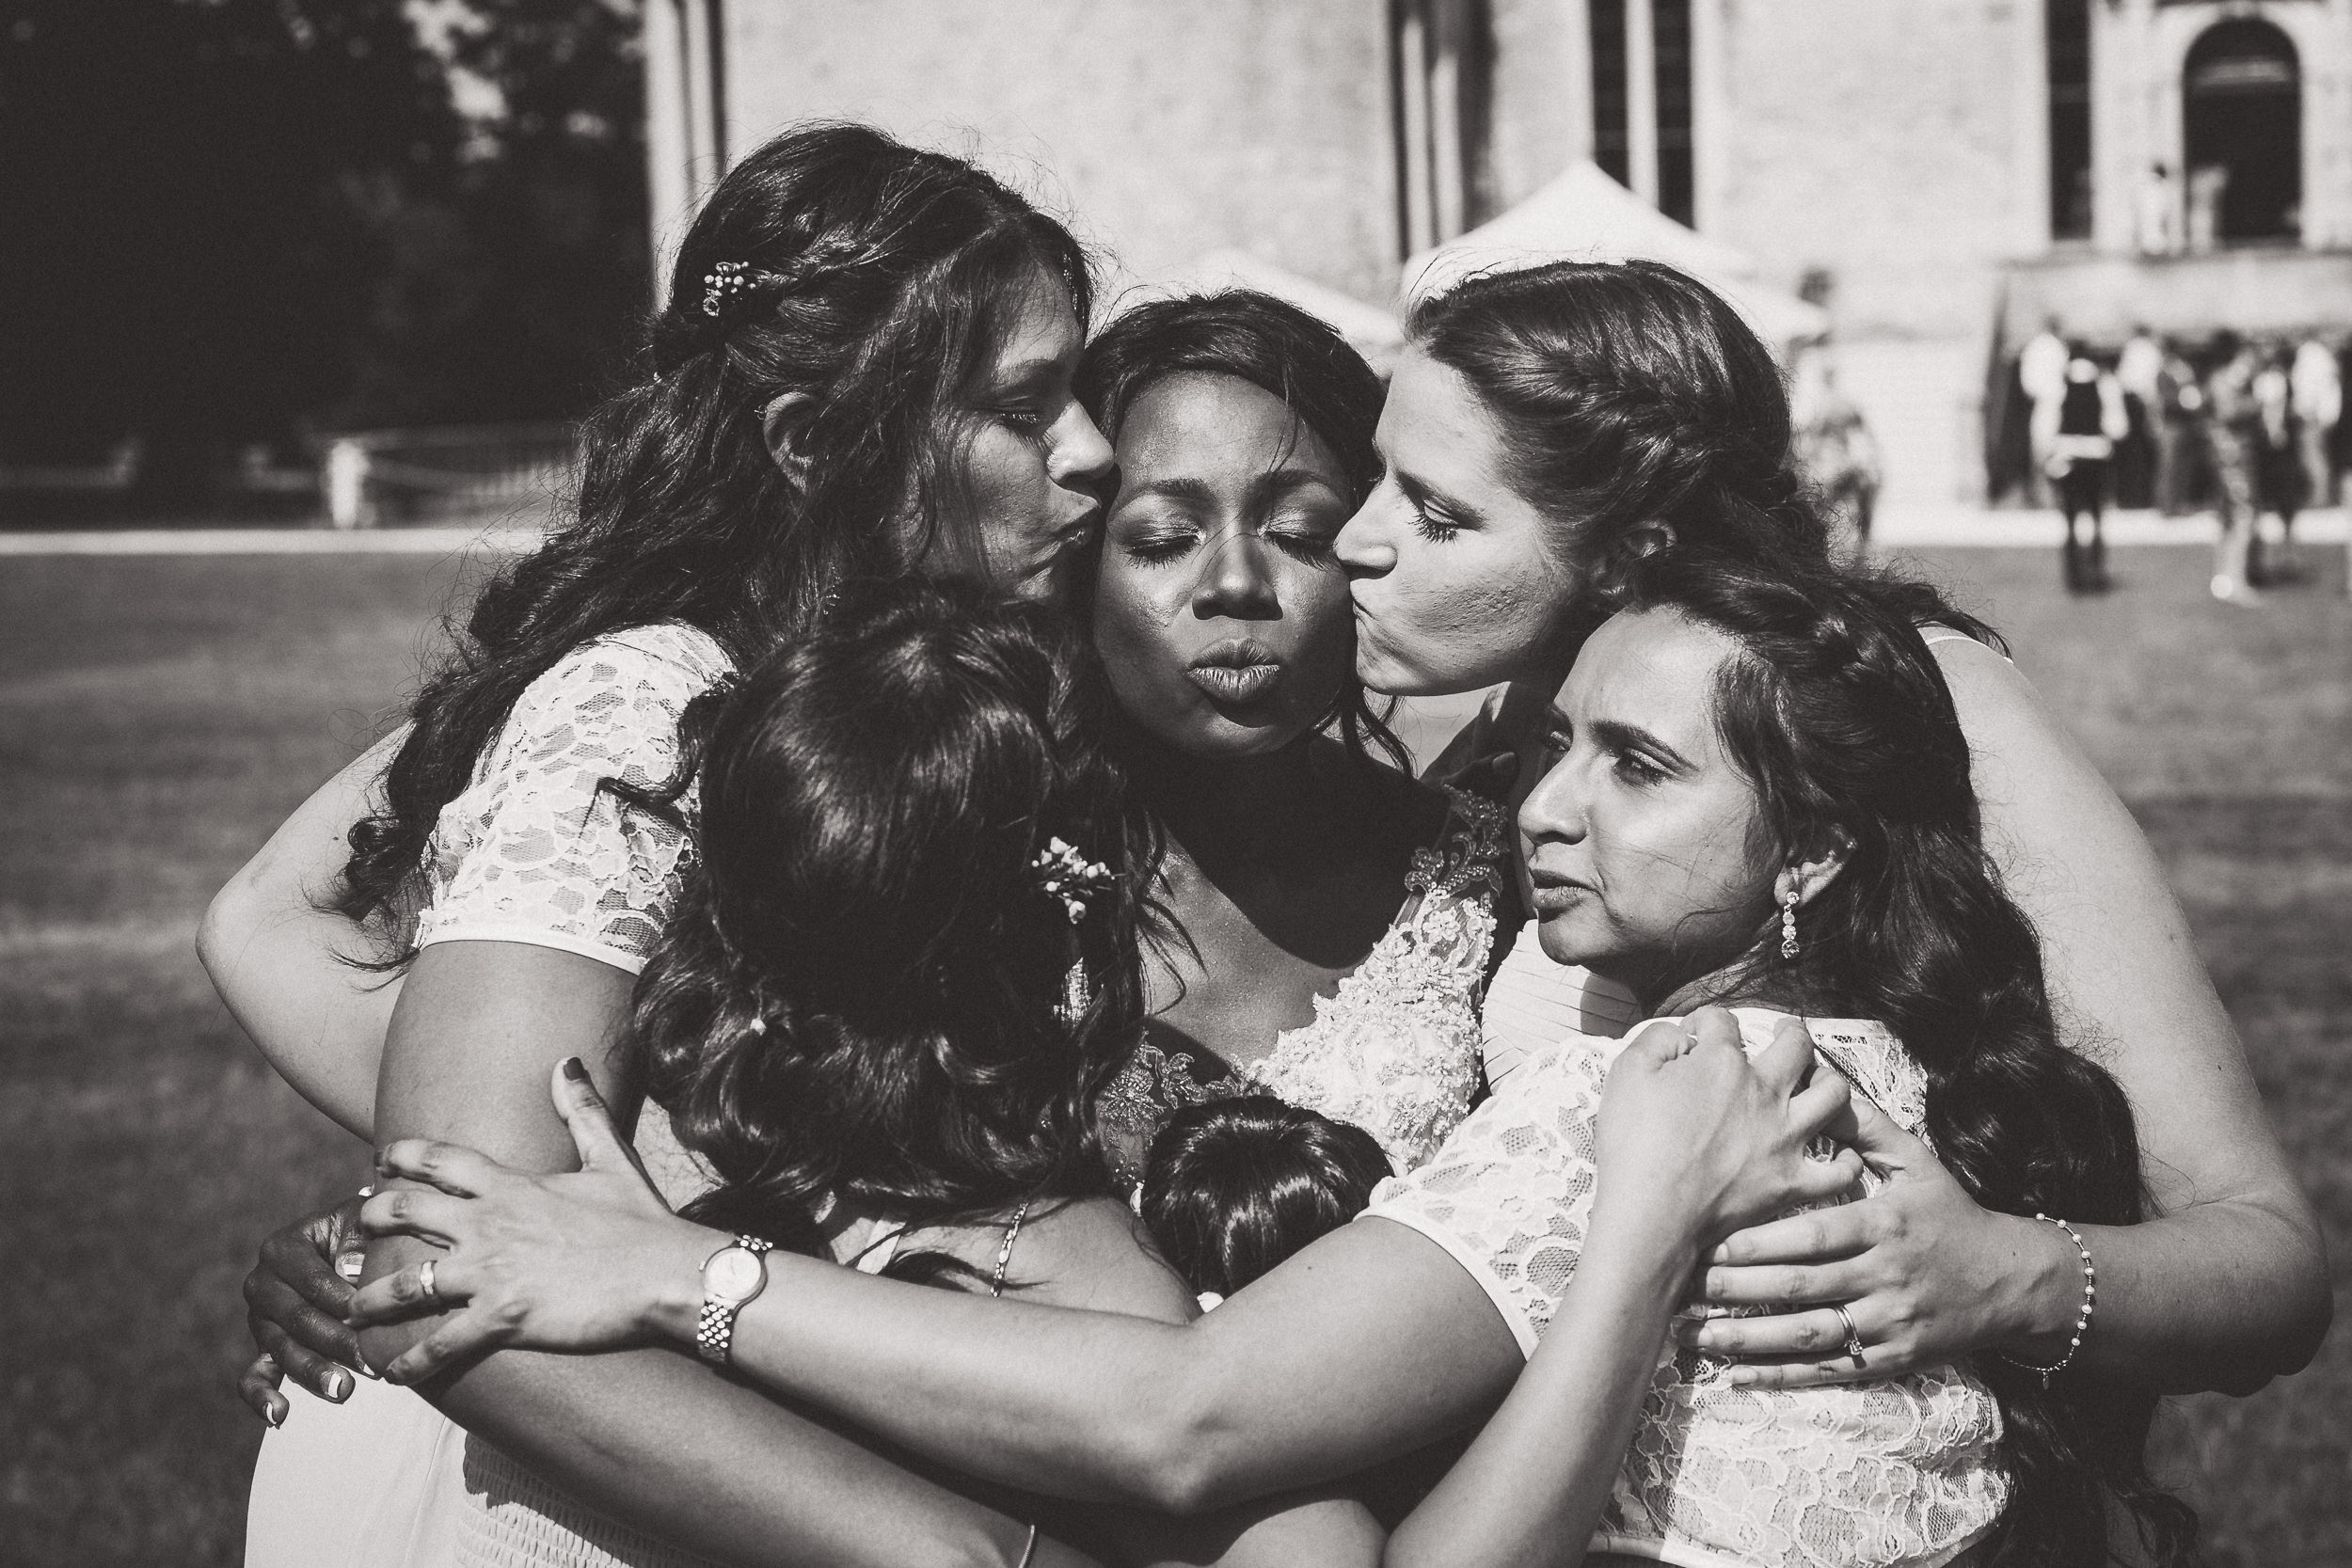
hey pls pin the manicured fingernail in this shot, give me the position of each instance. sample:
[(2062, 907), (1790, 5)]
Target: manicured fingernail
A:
[(575, 1070), (351, 1265), (369, 1372), (339, 1386), (275, 1415)]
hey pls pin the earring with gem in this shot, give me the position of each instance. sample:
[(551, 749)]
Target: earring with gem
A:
[(1788, 921)]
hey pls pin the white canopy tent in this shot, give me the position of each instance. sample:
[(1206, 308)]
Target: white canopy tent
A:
[(1374, 331), (1584, 216)]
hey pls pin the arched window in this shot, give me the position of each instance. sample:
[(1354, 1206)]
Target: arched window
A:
[(2242, 130)]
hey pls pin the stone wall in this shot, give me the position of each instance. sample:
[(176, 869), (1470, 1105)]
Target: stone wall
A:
[(1883, 140), (1165, 129)]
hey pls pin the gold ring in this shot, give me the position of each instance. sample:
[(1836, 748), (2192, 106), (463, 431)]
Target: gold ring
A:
[(1853, 1335), (427, 1288)]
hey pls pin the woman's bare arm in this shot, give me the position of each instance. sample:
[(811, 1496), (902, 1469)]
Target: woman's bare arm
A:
[(2226, 1287), (277, 960), (2230, 1287), (653, 1438)]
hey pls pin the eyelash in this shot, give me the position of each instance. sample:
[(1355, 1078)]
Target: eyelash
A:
[(1436, 529), (1635, 770)]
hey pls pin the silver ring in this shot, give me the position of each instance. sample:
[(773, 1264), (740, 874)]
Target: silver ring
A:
[(1853, 1335), (427, 1288)]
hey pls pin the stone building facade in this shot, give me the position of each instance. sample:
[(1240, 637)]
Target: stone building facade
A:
[(1952, 166)]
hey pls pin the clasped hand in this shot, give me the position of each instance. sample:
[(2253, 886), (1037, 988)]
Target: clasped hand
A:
[(1925, 1273), (583, 1260)]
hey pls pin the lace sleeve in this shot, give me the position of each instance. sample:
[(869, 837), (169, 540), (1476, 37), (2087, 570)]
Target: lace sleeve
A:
[(537, 850), (1510, 1193)]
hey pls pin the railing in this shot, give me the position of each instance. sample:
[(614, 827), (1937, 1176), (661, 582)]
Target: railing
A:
[(377, 477)]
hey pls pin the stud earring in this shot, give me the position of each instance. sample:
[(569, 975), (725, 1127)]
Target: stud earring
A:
[(1788, 924)]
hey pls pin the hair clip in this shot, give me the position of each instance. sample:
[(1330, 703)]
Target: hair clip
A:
[(1069, 876), (728, 281)]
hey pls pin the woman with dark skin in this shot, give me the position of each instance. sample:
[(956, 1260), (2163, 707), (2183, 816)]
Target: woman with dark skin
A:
[(1219, 537)]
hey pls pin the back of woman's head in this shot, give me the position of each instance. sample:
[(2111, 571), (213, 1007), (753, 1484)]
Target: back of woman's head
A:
[(858, 287), (1279, 349), (1233, 1187), (1835, 710), (1636, 410), (859, 993)]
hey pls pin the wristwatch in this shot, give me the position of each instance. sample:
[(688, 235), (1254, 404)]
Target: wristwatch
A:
[(731, 1276)]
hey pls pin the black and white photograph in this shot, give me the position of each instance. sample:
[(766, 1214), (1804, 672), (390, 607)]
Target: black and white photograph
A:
[(1085, 784)]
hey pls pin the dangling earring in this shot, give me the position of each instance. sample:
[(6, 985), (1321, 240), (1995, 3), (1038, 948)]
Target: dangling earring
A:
[(1788, 924)]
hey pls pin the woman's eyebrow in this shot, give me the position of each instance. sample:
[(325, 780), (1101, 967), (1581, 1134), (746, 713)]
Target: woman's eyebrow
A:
[(1422, 493), (1176, 487), (1290, 478), (1618, 736)]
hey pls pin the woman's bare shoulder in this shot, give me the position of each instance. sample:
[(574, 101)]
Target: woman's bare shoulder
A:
[(1090, 1253)]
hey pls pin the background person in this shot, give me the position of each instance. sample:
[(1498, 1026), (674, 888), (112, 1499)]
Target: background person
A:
[(2140, 372), (2230, 422), (2091, 421), (2317, 386)]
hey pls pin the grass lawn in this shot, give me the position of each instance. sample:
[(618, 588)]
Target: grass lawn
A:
[(159, 716)]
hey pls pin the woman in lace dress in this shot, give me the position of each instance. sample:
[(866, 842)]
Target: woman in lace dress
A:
[(1547, 427), (1758, 797), (864, 370), (1343, 910)]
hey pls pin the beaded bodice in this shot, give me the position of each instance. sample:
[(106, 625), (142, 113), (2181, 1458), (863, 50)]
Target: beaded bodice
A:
[(1394, 1051)]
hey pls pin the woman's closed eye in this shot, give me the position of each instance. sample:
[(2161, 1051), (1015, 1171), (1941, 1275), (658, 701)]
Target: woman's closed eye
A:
[(1307, 540), (1161, 543), (1634, 769)]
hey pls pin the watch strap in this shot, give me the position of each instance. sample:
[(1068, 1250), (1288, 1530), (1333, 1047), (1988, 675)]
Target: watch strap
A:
[(714, 1329)]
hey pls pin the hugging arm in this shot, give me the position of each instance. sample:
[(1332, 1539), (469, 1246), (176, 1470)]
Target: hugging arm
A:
[(2224, 1287), (279, 961), (657, 1440)]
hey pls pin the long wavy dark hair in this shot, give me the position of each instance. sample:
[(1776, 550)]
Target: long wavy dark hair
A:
[(1835, 710), (1637, 410), (857, 996), (1281, 350), (872, 280)]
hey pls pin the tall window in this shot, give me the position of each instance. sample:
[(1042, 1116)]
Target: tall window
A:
[(1642, 100), (1611, 149), (1443, 66), (2068, 49), (1670, 20)]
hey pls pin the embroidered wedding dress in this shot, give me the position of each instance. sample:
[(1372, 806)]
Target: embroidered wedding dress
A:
[(1396, 1049), (1898, 1473)]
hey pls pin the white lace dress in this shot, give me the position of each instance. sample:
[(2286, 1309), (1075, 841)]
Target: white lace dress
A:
[(534, 851), (1396, 1049), (1892, 1474)]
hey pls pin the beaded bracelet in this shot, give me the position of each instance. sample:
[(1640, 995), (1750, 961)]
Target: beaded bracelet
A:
[(2082, 1323)]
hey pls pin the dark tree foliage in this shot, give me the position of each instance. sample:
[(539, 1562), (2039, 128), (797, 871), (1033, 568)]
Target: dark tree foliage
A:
[(229, 221)]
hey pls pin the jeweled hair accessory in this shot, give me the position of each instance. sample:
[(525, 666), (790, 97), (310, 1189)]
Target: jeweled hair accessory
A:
[(729, 281), (1069, 876)]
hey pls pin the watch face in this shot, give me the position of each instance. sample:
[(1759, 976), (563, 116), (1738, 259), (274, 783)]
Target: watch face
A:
[(735, 1275)]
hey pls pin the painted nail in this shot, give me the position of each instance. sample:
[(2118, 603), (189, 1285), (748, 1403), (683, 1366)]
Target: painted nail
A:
[(274, 1416), (339, 1386), (351, 1265), (575, 1070)]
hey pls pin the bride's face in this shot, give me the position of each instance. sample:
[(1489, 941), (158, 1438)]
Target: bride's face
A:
[(1456, 579), (1219, 613), (1640, 836)]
